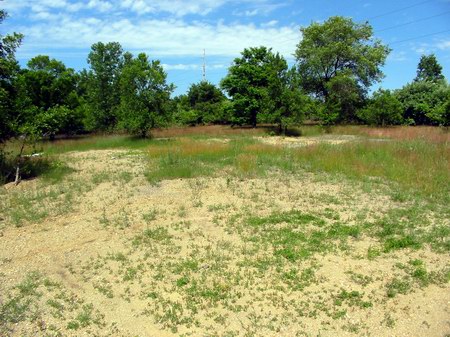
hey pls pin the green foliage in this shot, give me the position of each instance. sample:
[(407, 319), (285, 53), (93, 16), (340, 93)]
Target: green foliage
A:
[(344, 98), (429, 69), (48, 83), (56, 120), (383, 109), (144, 95), (102, 85), (47, 99), (8, 72), (424, 101), (205, 103), (255, 82), (182, 114), (289, 105), (443, 114), (341, 49)]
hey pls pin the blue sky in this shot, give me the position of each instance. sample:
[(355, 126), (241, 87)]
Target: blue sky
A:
[(176, 32)]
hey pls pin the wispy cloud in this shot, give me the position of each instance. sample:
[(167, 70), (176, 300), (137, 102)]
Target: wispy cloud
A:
[(398, 56), (444, 45), (161, 37)]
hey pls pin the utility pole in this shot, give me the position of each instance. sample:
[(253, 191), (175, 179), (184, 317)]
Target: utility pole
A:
[(204, 65)]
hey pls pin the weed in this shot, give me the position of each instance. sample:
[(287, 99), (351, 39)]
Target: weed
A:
[(148, 236), (150, 215), (397, 286), (104, 288), (360, 279), (351, 298)]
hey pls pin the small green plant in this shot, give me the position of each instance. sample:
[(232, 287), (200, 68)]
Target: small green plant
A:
[(148, 236), (150, 215), (398, 286)]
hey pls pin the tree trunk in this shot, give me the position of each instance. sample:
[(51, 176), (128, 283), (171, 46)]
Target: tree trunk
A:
[(19, 160)]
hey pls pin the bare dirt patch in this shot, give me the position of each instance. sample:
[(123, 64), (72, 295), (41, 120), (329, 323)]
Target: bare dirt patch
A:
[(306, 141)]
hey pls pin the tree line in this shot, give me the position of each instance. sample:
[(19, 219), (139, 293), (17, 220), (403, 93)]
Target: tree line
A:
[(337, 62)]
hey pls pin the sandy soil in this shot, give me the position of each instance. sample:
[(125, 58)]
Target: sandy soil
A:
[(204, 219)]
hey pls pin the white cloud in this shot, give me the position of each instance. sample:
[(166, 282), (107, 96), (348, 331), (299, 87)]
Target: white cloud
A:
[(159, 37), (177, 8), (102, 6), (181, 66), (444, 45), (399, 56)]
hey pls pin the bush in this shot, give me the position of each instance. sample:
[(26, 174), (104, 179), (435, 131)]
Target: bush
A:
[(383, 109), (422, 100)]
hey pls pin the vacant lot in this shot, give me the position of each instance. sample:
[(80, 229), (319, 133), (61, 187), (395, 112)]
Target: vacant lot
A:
[(232, 234)]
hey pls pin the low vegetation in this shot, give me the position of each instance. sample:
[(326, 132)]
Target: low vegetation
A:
[(231, 235)]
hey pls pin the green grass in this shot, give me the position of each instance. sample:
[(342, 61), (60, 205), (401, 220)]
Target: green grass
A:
[(148, 236), (297, 236), (410, 168), (415, 166), (95, 143)]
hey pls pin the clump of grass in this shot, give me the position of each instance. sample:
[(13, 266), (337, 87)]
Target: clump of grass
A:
[(148, 236), (295, 235), (185, 159), (415, 274), (416, 166), (409, 227)]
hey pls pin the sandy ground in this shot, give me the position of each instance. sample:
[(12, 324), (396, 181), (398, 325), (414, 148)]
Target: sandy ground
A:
[(203, 217)]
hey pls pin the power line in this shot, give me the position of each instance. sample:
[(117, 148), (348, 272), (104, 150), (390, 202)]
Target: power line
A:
[(420, 37), (411, 22), (399, 10)]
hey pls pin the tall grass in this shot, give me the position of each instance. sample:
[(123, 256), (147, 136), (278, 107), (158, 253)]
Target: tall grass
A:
[(416, 159), (416, 166)]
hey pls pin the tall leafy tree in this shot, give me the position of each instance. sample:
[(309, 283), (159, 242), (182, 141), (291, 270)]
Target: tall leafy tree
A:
[(145, 95), (9, 69), (429, 69), (103, 92), (254, 82), (205, 100), (49, 83), (49, 99), (339, 54), (289, 104)]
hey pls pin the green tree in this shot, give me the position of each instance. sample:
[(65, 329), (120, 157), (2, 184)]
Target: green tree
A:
[(423, 101), (383, 109), (145, 95), (182, 113), (48, 97), (344, 99), (205, 101), (337, 54), (289, 104), (429, 69), (444, 118), (103, 92), (9, 69), (254, 82), (49, 83)]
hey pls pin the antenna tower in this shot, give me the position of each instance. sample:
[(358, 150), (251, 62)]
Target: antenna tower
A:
[(204, 65)]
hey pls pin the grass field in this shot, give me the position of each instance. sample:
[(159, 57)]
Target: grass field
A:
[(214, 231)]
